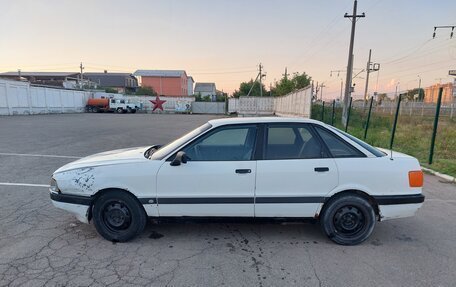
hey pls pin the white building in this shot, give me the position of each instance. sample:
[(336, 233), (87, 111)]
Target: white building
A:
[(190, 83), (205, 89)]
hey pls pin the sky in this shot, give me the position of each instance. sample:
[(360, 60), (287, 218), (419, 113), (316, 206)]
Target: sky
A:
[(223, 41)]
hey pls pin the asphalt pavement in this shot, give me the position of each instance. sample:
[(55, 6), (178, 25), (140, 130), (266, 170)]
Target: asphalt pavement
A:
[(44, 246)]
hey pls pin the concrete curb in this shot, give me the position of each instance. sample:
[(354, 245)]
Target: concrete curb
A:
[(441, 175)]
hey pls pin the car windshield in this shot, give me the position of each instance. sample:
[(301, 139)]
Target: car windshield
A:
[(371, 149), (168, 148)]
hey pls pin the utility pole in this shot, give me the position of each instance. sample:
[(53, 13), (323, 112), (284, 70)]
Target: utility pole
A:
[(368, 67), (286, 74), (395, 94), (341, 89), (419, 89), (261, 76), (354, 17), (82, 77), (371, 67), (321, 91)]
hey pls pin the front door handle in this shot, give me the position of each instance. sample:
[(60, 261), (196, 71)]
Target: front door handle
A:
[(243, 170), (321, 169)]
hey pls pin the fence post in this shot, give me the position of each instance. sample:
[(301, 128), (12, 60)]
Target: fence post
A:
[(348, 114), (436, 123), (452, 110), (323, 112), (395, 121), (332, 114), (368, 117)]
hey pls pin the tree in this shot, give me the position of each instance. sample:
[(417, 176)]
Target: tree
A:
[(415, 95), (148, 91), (382, 97), (111, 91), (286, 85), (245, 87), (300, 81)]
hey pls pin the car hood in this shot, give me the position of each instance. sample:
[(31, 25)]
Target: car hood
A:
[(119, 156)]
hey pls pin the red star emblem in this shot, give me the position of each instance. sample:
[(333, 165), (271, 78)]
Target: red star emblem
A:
[(158, 104)]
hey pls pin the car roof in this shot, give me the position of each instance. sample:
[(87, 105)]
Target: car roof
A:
[(254, 120)]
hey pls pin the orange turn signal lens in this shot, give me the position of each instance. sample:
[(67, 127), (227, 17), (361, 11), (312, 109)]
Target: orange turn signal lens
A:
[(416, 178)]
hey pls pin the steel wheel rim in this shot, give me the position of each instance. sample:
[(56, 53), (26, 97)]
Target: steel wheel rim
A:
[(116, 216), (349, 220)]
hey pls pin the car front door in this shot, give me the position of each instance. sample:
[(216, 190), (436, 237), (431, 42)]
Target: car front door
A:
[(295, 173), (218, 178)]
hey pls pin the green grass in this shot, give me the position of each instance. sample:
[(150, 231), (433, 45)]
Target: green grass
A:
[(413, 135)]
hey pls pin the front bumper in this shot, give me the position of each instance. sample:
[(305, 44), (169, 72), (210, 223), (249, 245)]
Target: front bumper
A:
[(75, 204)]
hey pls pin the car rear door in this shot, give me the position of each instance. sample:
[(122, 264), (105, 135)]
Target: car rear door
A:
[(218, 178), (295, 172)]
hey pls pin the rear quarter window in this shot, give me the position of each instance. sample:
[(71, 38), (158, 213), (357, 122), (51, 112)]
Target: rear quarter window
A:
[(337, 146)]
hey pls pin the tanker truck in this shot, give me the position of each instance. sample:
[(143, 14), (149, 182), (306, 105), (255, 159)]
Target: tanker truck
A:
[(112, 105)]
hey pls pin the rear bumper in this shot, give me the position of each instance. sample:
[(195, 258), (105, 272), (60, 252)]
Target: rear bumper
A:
[(75, 204), (398, 206)]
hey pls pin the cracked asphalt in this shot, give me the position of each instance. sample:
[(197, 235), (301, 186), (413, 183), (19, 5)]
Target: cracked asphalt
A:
[(44, 246)]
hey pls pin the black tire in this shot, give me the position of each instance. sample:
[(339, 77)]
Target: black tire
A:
[(89, 109), (133, 111), (129, 110), (348, 219), (119, 110), (118, 216), (94, 110)]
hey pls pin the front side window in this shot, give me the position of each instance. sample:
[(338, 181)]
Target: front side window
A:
[(292, 142), (224, 144), (172, 146), (337, 146)]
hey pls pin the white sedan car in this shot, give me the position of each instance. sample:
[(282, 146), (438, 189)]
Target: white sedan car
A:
[(244, 167)]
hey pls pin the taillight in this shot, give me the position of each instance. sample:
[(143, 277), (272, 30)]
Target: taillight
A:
[(416, 178)]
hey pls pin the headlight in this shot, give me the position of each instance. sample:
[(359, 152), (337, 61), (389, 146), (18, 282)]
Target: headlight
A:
[(53, 186)]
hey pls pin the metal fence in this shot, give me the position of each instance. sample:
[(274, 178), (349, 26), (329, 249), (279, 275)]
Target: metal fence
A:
[(411, 108), (424, 130)]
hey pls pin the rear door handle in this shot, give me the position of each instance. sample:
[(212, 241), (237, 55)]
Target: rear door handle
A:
[(243, 171), (321, 169)]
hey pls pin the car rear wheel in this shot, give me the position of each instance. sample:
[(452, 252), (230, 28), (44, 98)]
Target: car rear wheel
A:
[(348, 219), (119, 110), (118, 216)]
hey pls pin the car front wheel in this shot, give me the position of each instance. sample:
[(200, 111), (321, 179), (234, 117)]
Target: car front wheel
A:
[(118, 216), (348, 219)]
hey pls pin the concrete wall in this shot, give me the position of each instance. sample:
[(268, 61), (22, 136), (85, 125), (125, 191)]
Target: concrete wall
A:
[(169, 106), (19, 98), (296, 104), (208, 107)]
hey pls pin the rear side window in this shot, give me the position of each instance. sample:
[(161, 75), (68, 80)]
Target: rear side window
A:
[(337, 146), (292, 142)]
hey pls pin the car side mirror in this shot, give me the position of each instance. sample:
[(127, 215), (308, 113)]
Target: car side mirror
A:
[(181, 157)]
